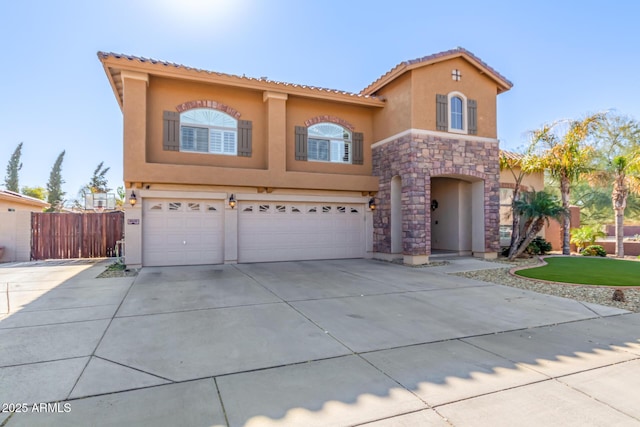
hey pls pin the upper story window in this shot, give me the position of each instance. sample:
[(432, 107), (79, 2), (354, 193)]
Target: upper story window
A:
[(455, 113), (204, 130), (457, 116), (329, 142)]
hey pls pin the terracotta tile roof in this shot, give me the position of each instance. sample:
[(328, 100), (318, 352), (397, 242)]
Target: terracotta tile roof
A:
[(107, 55), (510, 155), (430, 58)]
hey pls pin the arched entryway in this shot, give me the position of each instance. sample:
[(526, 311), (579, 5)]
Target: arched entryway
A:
[(457, 215)]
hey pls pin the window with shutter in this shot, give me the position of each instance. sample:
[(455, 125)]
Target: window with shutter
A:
[(358, 148), (327, 142), (460, 113), (245, 133), (301, 143), (204, 130), (171, 131), (472, 114), (442, 112)]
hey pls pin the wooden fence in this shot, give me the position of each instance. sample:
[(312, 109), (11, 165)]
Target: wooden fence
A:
[(75, 235)]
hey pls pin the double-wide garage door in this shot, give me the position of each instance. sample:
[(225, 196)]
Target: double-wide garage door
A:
[(190, 232), (279, 231)]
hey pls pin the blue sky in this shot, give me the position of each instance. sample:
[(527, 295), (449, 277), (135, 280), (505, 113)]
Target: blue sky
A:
[(565, 58)]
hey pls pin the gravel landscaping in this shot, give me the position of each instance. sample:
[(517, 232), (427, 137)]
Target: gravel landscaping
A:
[(584, 293)]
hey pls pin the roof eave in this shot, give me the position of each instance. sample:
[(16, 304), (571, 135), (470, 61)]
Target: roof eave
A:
[(503, 84), (111, 63)]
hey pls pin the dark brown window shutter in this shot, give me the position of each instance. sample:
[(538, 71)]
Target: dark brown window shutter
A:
[(301, 143), (171, 131), (357, 157), (472, 114), (442, 113), (244, 138)]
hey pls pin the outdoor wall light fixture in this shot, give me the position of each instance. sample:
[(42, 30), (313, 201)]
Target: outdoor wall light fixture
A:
[(133, 199), (372, 204), (232, 201), (434, 205)]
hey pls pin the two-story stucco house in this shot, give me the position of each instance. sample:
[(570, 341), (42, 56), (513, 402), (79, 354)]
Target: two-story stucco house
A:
[(228, 168)]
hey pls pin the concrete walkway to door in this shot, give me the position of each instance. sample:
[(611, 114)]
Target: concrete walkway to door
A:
[(315, 343)]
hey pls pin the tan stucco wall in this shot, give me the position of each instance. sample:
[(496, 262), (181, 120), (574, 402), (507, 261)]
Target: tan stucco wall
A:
[(395, 117), (531, 181), (273, 142), (299, 110), (411, 98), (436, 79), (166, 94)]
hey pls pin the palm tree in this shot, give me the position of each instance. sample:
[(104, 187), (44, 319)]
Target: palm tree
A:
[(535, 209), (562, 150), (618, 162), (520, 165)]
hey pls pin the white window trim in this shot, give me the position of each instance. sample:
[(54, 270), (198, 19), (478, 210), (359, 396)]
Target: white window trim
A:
[(465, 113), (209, 128), (348, 143)]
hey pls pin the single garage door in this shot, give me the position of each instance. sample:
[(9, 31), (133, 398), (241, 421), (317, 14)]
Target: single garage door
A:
[(182, 232), (286, 231)]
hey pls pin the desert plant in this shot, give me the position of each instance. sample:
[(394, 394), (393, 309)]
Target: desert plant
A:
[(538, 246), (586, 236), (593, 250), (536, 208)]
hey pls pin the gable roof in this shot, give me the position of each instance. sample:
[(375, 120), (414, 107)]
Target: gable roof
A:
[(502, 82), (114, 63), (11, 196)]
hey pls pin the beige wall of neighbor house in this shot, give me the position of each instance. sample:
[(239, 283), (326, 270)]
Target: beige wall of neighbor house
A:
[(15, 236), (530, 182), (15, 224), (10, 201)]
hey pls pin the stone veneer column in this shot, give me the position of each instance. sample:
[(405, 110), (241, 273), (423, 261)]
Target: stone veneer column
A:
[(416, 157)]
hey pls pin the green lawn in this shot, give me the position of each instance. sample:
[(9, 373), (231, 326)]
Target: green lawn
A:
[(587, 270)]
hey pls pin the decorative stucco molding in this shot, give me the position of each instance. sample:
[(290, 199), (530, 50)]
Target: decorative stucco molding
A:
[(331, 119), (206, 103)]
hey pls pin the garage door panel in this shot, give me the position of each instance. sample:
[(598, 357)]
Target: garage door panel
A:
[(182, 232), (300, 231)]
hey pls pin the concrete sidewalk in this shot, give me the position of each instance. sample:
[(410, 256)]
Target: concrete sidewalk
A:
[(349, 342)]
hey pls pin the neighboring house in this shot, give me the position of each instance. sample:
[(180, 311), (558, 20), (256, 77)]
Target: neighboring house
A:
[(12, 202), (530, 182), (227, 168), (15, 224)]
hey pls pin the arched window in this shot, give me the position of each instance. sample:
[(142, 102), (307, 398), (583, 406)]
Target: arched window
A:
[(457, 116), (329, 142), (205, 130)]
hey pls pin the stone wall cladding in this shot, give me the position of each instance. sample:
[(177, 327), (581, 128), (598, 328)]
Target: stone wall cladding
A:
[(416, 158)]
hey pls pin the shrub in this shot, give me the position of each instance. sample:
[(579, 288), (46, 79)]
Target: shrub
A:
[(593, 250), (538, 246), (586, 236)]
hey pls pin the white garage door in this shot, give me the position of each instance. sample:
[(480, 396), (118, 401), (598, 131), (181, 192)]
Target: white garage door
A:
[(284, 231), (182, 232)]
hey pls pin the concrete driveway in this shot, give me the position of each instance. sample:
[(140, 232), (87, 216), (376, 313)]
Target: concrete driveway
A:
[(350, 342)]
